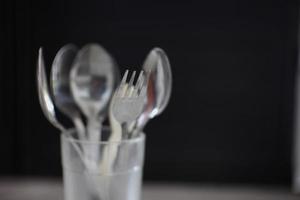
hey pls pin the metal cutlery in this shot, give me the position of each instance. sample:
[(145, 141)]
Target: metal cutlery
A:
[(49, 112), (44, 95), (158, 67), (84, 82), (126, 106), (60, 85), (92, 84), (128, 102), (93, 77), (46, 101)]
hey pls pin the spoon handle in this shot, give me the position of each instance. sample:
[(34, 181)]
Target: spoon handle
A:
[(93, 134), (79, 127), (94, 127), (137, 126)]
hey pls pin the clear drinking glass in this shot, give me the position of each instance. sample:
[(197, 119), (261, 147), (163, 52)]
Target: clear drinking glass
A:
[(102, 170)]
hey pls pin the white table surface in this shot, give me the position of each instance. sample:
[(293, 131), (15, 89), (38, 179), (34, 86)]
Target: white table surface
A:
[(51, 189)]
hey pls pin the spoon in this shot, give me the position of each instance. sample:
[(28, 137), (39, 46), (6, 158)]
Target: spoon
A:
[(60, 85), (43, 93), (92, 83), (158, 67), (49, 112), (46, 101)]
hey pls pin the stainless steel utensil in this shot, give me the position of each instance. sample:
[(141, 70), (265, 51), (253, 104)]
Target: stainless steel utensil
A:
[(159, 87), (128, 102), (60, 85), (46, 101), (43, 93), (126, 105), (92, 83)]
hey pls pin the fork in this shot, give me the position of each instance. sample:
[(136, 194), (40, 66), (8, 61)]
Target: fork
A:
[(126, 106), (129, 99)]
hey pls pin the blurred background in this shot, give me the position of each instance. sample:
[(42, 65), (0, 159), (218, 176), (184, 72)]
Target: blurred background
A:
[(230, 118)]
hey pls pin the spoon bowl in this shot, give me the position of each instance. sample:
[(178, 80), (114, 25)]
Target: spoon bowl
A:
[(160, 81), (43, 93), (93, 80), (159, 89), (60, 85)]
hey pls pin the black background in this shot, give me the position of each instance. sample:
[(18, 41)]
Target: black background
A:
[(233, 62)]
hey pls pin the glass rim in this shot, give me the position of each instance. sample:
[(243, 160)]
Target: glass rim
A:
[(65, 136)]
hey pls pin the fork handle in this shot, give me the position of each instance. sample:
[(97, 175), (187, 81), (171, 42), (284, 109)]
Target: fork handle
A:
[(110, 152)]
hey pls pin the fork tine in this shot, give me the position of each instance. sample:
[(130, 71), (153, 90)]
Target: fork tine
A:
[(141, 83), (122, 87), (144, 84), (140, 80), (132, 78), (137, 84), (130, 85), (124, 77)]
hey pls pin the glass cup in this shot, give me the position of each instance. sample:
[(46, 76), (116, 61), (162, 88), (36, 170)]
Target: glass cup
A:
[(102, 170)]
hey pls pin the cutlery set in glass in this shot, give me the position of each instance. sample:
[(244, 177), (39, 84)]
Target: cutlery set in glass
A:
[(85, 86)]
